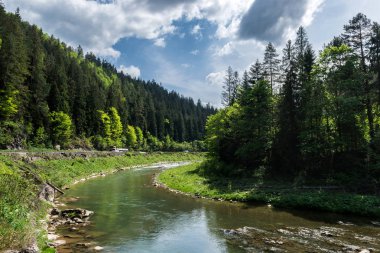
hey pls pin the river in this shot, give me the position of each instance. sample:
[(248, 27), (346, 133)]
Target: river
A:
[(131, 215)]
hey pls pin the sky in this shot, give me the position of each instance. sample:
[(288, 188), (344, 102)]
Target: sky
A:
[(187, 45)]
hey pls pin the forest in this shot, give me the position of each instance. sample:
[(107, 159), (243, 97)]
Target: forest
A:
[(305, 117), (52, 94)]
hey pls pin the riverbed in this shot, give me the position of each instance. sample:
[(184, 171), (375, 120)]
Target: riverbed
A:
[(131, 215)]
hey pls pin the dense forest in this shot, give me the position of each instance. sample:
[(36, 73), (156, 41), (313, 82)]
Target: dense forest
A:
[(308, 117), (51, 94)]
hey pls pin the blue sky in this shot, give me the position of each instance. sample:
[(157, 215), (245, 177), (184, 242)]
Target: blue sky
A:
[(188, 44)]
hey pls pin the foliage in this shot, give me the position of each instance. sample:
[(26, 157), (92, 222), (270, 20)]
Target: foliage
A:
[(116, 126), (321, 125), (20, 211), (130, 136), (190, 179), (65, 171), (41, 75), (61, 128)]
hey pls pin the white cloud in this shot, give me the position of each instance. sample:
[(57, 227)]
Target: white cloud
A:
[(160, 42), (227, 49), (196, 31), (132, 70), (195, 52), (215, 78), (98, 26), (184, 82)]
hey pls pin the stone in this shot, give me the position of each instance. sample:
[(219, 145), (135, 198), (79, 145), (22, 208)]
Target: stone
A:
[(52, 237), (54, 211), (76, 213), (326, 233), (57, 243), (47, 193), (83, 244), (98, 248)]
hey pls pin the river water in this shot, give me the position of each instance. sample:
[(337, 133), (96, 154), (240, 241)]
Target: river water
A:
[(131, 215)]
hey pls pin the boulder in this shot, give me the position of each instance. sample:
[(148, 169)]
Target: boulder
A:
[(47, 193)]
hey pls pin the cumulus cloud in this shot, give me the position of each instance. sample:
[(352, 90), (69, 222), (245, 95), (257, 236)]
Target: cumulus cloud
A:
[(132, 70), (160, 42), (227, 49), (98, 25), (196, 31), (215, 78), (273, 20)]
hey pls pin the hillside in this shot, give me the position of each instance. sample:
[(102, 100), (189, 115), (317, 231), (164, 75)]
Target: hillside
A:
[(53, 94)]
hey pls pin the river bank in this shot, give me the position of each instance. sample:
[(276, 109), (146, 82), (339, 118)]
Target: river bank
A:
[(23, 221), (131, 215), (188, 180)]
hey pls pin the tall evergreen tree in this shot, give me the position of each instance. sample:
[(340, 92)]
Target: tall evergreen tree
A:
[(229, 88), (271, 64), (357, 35)]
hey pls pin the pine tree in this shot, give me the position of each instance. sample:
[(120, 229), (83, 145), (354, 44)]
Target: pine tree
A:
[(256, 72), (357, 35), (374, 46), (271, 65), (229, 88)]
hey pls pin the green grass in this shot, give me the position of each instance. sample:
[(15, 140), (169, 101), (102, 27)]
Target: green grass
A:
[(66, 171), (21, 211), (188, 179)]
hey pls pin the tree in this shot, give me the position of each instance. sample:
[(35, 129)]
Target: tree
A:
[(374, 53), (256, 72), (116, 128), (131, 137), (139, 137), (229, 93), (61, 128), (243, 92), (40, 138), (254, 127), (105, 126), (221, 138), (13, 63), (271, 64), (357, 35), (341, 76), (38, 107), (286, 160)]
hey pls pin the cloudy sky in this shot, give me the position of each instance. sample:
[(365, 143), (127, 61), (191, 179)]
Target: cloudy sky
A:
[(188, 44)]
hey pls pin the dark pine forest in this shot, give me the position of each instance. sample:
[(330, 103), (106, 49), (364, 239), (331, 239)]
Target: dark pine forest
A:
[(304, 116), (52, 94)]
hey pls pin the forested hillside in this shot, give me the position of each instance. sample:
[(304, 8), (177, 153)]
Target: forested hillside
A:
[(307, 117), (51, 94)]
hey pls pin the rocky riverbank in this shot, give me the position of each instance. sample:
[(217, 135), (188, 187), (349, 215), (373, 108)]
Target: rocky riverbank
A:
[(39, 174), (302, 239)]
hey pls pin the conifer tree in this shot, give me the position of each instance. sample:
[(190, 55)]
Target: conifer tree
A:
[(271, 65)]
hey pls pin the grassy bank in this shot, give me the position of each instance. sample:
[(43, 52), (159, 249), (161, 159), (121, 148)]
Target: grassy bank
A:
[(65, 171), (22, 213), (188, 179)]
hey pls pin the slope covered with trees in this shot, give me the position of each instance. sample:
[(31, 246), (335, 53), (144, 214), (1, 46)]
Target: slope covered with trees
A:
[(51, 94), (306, 118)]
